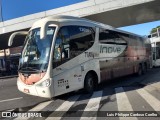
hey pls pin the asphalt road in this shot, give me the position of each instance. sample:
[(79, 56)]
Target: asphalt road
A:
[(11, 98), (129, 93)]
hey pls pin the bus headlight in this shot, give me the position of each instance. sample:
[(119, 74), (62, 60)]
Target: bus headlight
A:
[(45, 83)]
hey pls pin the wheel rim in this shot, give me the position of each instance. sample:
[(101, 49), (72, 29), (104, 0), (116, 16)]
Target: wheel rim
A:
[(90, 83)]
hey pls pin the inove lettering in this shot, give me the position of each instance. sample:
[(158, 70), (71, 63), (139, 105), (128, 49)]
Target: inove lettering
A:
[(89, 54), (109, 49)]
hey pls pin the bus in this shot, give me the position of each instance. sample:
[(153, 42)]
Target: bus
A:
[(65, 53), (155, 43)]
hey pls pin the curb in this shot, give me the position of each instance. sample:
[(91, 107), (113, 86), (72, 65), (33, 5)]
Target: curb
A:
[(5, 77)]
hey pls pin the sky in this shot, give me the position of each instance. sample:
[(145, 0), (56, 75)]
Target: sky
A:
[(141, 29), (17, 8)]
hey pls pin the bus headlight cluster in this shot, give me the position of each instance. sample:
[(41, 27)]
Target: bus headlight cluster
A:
[(45, 83)]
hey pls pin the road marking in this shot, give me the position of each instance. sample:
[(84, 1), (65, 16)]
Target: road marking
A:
[(123, 103), (10, 110), (11, 99), (94, 101), (151, 100), (40, 106), (64, 107), (92, 105)]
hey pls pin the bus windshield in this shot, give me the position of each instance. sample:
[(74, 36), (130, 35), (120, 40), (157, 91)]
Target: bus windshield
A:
[(35, 55)]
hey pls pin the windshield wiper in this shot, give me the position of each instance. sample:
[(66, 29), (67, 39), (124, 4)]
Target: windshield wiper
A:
[(29, 69)]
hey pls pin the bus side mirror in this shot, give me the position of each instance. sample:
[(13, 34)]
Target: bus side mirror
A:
[(149, 36), (11, 38), (44, 27)]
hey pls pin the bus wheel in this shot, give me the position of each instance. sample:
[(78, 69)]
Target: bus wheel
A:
[(139, 70), (89, 83), (144, 68)]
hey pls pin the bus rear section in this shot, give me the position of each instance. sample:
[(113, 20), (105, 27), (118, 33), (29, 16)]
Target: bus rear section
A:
[(123, 53)]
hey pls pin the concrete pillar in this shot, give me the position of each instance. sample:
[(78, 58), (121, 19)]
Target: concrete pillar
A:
[(157, 32)]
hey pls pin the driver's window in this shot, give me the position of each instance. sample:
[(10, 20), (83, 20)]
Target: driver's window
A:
[(61, 48), (72, 41)]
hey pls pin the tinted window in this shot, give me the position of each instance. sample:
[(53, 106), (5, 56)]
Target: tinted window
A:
[(111, 37), (72, 41), (157, 50), (81, 39)]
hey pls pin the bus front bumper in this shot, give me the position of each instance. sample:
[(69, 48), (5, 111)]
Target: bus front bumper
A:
[(34, 90)]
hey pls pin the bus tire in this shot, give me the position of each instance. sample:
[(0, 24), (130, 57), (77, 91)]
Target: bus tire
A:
[(144, 70), (139, 72), (89, 83)]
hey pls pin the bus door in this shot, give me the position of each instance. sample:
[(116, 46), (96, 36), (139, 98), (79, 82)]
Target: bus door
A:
[(69, 48), (66, 74)]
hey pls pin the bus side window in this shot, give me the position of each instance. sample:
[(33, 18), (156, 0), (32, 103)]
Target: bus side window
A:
[(106, 37), (111, 37), (81, 39), (158, 50), (72, 41)]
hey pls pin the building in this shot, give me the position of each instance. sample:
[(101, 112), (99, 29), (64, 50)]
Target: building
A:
[(9, 60)]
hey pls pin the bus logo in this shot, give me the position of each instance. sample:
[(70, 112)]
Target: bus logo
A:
[(110, 49)]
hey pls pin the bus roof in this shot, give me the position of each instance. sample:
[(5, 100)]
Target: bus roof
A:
[(61, 19), (70, 19)]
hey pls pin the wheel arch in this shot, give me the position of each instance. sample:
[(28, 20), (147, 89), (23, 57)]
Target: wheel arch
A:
[(92, 72)]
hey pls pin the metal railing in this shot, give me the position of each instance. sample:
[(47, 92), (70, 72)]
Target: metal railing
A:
[(155, 34)]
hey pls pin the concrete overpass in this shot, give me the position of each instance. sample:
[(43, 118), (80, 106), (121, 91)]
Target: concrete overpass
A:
[(117, 13)]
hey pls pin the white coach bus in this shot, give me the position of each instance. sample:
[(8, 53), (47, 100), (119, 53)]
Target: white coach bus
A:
[(63, 54), (155, 42)]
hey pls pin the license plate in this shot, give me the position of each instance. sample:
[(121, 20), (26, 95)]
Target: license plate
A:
[(26, 90)]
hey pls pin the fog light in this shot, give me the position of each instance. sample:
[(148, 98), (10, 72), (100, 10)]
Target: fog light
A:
[(45, 83)]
